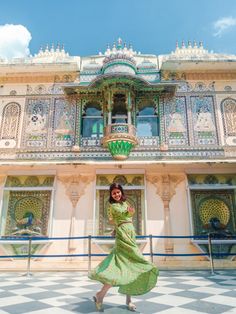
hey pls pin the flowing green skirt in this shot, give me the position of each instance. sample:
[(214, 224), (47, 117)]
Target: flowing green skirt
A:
[(125, 267)]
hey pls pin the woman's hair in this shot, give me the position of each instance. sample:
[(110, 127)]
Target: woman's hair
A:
[(119, 187)]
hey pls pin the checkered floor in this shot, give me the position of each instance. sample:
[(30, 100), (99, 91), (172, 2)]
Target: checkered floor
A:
[(184, 292)]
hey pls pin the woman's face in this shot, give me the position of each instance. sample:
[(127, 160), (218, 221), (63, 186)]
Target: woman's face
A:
[(116, 195)]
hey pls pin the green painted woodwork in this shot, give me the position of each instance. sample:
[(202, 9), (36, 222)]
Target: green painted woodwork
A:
[(120, 149)]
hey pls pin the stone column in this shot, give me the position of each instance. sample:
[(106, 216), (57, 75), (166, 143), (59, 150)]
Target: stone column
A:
[(166, 188), (75, 187)]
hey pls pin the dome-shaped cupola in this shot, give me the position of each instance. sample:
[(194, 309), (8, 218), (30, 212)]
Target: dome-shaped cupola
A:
[(120, 59)]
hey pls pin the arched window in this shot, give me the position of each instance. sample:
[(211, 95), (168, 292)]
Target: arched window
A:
[(147, 121), (92, 121), (10, 122), (119, 111), (228, 108)]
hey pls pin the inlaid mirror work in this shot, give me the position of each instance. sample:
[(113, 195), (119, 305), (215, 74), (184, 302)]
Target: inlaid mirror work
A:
[(214, 210), (134, 190)]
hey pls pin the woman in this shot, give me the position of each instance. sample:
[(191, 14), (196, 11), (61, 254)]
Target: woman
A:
[(125, 267)]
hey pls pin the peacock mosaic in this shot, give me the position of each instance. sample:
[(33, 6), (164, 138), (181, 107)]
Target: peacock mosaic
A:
[(213, 209), (27, 206)]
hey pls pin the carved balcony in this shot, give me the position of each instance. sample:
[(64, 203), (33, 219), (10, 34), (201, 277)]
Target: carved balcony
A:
[(120, 138)]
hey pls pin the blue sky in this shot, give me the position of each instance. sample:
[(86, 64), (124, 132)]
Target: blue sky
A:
[(152, 26)]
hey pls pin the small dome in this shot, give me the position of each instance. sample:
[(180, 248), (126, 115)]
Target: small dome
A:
[(146, 64), (119, 59), (92, 66)]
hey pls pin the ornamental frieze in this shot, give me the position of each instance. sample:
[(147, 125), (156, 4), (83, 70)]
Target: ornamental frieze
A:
[(181, 76), (36, 78)]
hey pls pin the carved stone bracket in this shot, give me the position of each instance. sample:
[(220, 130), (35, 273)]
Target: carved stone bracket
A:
[(166, 188), (75, 187), (165, 184)]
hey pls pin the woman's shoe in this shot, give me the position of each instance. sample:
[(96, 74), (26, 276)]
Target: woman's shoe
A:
[(98, 305), (131, 307)]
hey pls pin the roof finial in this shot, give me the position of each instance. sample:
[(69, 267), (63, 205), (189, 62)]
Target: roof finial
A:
[(119, 43)]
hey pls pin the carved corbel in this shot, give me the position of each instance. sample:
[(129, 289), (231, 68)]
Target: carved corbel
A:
[(75, 187), (166, 188), (165, 184)]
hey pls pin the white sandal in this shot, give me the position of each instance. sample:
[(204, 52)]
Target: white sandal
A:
[(131, 307)]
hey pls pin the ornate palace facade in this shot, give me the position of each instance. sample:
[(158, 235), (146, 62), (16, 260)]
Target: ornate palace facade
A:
[(162, 126)]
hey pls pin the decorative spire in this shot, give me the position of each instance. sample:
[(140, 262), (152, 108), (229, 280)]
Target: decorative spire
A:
[(119, 43), (119, 51), (52, 48), (191, 50), (52, 54)]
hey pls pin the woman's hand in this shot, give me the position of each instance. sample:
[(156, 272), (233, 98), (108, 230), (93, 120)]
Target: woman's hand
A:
[(131, 210), (113, 234)]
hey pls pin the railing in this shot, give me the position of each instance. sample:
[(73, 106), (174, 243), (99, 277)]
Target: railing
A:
[(89, 255)]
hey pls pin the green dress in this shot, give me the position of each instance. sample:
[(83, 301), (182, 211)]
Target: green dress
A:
[(125, 267)]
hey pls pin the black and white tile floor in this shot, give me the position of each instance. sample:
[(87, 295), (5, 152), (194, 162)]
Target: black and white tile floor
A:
[(177, 292)]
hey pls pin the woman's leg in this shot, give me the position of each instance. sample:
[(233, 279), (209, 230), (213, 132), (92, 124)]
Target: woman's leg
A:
[(131, 306), (101, 294)]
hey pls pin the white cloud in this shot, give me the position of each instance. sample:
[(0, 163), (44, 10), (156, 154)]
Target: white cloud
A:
[(222, 24), (14, 41)]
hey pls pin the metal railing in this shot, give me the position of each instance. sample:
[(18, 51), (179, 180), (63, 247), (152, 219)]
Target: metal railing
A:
[(89, 254)]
